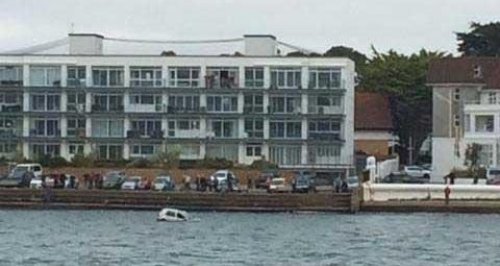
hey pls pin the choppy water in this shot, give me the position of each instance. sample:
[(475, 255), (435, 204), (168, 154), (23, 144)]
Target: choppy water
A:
[(135, 238)]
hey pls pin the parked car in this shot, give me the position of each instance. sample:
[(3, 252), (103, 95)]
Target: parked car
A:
[(113, 180), (131, 183), (279, 185), (34, 168), (303, 181), (225, 180), (403, 177), (19, 177), (265, 177), (417, 171), (164, 182), (493, 176)]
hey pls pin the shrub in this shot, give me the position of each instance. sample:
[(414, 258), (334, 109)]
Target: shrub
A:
[(140, 163), (215, 163), (81, 160), (263, 165), (52, 162)]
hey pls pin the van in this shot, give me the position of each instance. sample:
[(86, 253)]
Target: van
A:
[(34, 168)]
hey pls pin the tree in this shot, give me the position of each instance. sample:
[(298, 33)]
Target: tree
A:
[(168, 53), (481, 40), (359, 59), (402, 78), (472, 155)]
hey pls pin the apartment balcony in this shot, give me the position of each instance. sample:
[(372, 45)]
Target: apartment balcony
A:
[(137, 134), (102, 108), (44, 134), (146, 108), (481, 106), (76, 132), (11, 83), (147, 83), (214, 82), (325, 110), (12, 133), (76, 108), (331, 85), (326, 136), (78, 83), (184, 110), (11, 108)]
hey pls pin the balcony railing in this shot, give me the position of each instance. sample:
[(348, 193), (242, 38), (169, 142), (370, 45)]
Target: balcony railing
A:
[(137, 134), (76, 132), (180, 110), (38, 133), (147, 82), (10, 133), (11, 108), (214, 82), (103, 108), (11, 83), (73, 82), (324, 136)]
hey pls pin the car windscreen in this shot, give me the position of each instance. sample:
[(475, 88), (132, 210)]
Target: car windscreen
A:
[(21, 168), (162, 179), (112, 178), (220, 175), (494, 172)]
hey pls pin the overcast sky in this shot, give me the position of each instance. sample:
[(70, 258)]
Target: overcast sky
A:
[(403, 25)]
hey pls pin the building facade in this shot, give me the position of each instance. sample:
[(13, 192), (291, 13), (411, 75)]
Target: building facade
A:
[(466, 110), (293, 111)]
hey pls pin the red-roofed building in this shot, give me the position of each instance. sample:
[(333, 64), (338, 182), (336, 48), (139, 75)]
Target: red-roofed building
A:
[(373, 125), (466, 110)]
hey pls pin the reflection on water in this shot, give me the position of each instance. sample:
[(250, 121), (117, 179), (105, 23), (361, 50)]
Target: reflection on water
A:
[(135, 238)]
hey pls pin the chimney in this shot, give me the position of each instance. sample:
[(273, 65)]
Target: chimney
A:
[(85, 44), (260, 44)]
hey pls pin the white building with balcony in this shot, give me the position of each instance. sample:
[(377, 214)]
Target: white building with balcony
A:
[(466, 110), (294, 111)]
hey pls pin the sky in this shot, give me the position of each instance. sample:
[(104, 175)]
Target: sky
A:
[(402, 25)]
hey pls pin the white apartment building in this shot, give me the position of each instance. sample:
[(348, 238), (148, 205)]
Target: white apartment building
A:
[(294, 111), (466, 110)]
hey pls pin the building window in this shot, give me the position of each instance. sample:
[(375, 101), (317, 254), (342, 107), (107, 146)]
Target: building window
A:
[(456, 94), (286, 105), (324, 78), (76, 102), (324, 104), (8, 147), (254, 77), (189, 127), (486, 155), (146, 128), (253, 103), (285, 155), (109, 152), (222, 104), (184, 76), (478, 73), (254, 128), (324, 130), (456, 120), (76, 127), (45, 76), (226, 151), (183, 103), (285, 129), (492, 97), (41, 150), (77, 76), (286, 78), (323, 154), (107, 102), (107, 76), (11, 75), (144, 99), (107, 128), (75, 148), (222, 77), (224, 128), (143, 150), (145, 77), (45, 128), (254, 150), (42, 102), (485, 123)]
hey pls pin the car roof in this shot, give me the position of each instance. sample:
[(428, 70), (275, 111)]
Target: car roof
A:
[(27, 164)]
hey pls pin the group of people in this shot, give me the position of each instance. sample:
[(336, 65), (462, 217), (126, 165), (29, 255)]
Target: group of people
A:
[(60, 180), (93, 180)]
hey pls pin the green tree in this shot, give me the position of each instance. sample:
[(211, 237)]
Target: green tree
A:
[(341, 51), (403, 79), (481, 40)]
